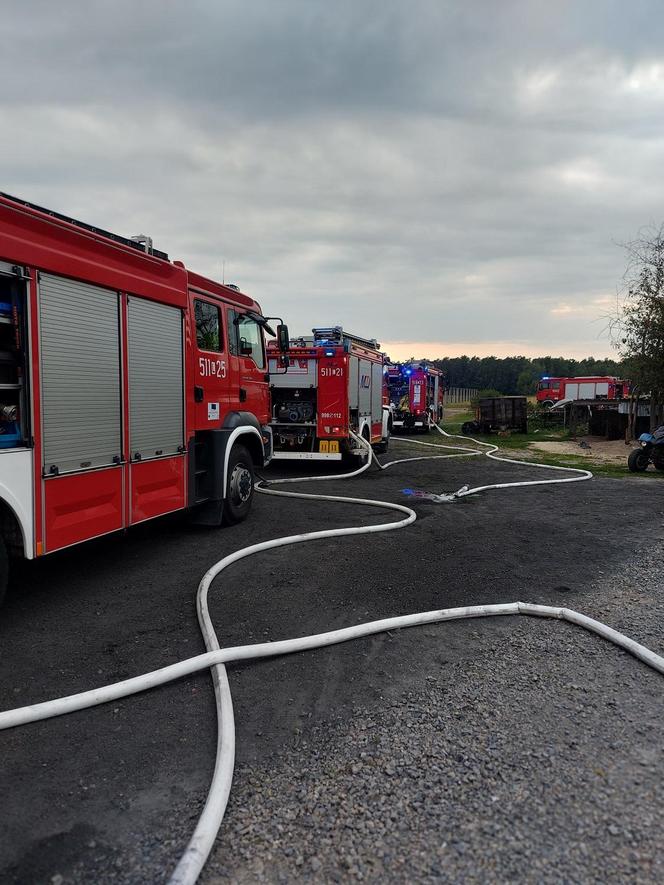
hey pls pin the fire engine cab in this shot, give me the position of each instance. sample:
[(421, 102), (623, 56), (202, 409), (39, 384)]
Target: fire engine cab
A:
[(415, 392), (551, 390), (333, 385), (130, 387)]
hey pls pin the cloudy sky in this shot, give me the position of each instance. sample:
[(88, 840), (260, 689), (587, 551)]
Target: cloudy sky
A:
[(448, 177)]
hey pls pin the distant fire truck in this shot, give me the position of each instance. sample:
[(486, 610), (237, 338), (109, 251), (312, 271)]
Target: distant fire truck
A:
[(551, 390), (130, 387), (415, 392), (333, 385)]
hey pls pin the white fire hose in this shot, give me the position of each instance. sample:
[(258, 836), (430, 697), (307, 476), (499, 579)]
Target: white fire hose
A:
[(216, 658)]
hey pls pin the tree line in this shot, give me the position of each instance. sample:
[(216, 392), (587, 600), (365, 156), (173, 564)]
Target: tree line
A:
[(518, 375), (637, 331), (638, 325)]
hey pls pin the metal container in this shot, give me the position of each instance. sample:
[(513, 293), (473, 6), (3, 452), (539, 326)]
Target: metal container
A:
[(503, 413)]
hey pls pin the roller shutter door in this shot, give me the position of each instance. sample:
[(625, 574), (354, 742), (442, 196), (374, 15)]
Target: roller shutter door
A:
[(80, 368), (300, 373), (155, 379), (376, 392), (365, 387), (353, 382)]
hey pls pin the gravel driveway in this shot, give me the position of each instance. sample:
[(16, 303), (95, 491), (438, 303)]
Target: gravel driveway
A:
[(509, 749)]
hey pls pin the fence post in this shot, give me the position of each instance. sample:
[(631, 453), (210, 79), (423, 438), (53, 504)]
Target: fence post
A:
[(456, 395)]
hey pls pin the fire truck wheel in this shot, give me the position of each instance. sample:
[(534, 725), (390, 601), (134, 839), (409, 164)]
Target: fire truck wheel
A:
[(358, 460), (4, 569), (382, 447), (239, 486)]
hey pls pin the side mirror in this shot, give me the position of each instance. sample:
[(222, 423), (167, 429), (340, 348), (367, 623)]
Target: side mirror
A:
[(283, 338)]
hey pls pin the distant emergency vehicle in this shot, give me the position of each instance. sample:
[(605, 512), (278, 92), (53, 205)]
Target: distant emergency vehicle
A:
[(333, 385), (551, 390), (415, 393)]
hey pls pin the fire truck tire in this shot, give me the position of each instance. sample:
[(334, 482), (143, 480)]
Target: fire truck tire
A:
[(360, 460), (239, 486), (382, 447)]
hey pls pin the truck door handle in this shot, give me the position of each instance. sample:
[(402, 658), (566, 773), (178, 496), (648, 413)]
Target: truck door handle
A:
[(198, 394), (243, 395)]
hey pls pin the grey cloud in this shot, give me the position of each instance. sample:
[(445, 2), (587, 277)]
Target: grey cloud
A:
[(428, 171)]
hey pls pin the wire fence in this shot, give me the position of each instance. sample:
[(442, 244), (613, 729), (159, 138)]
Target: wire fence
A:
[(456, 395)]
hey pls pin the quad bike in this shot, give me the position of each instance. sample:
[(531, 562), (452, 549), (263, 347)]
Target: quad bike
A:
[(650, 451)]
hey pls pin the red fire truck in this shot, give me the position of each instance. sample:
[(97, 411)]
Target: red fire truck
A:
[(332, 385), (130, 387), (416, 395), (551, 390)]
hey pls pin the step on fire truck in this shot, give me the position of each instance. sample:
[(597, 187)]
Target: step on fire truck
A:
[(415, 392), (333, 385), (130, 387), (582, 387)]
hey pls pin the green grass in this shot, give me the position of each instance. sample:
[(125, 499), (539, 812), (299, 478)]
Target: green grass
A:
[(519, 444), (513, 441), (454, 426), (581, 463), (617, 471)]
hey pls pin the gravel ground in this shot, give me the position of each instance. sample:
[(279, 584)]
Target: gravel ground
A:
[(508, 749), (539, 761)]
